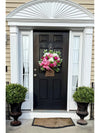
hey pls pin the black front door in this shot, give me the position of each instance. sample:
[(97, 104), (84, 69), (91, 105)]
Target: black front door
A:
[(50, 92)]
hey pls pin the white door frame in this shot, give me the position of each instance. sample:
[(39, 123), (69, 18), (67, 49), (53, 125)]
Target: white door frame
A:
[(86, 60)]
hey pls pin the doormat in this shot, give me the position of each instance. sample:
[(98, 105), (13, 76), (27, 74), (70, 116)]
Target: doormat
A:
[(53, 122)]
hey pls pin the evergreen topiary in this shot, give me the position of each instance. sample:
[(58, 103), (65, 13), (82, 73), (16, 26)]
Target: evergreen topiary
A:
[(84, 95), (15, 93)]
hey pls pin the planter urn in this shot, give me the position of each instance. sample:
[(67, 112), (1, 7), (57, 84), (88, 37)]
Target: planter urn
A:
[(82, 112), (15, 113)]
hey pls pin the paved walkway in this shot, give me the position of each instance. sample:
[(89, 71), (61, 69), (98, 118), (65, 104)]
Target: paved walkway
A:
[(27, 128)]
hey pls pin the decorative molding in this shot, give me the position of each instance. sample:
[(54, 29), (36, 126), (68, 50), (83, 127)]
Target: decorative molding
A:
[(65, 24), (50, 11)]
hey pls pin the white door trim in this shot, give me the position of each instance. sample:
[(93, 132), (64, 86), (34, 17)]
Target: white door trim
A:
[(86, 59)]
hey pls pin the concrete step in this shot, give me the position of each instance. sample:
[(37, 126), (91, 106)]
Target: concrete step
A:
[(50, 114)]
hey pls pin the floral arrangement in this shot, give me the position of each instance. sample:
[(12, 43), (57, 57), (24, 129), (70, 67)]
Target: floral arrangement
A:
[(51, 60)]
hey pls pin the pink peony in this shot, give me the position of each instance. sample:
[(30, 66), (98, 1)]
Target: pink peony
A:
[(55, 57), (51, 65), (46, 57), (42, 57), (58, 61)]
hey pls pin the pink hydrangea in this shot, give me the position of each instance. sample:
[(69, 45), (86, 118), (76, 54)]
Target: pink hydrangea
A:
[(44, 59), (46, 62), (55, 63), (41, 64), (50, 55), (47, 67)]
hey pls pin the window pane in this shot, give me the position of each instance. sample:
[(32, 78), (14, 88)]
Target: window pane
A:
[(25, 80), (25, 42), (75, 61), (26, 83), (74, 82), (76, 42), (75, 56), (25, 55), (25, 68), (75, 69)]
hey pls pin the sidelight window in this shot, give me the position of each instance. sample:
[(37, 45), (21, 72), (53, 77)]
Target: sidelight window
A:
[(26, 66), (76, 60), (25, 62)]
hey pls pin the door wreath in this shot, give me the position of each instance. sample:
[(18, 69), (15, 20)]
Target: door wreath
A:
[(50, 62)]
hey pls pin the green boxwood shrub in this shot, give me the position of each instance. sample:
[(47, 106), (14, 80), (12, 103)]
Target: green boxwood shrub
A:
[(84, 94), (15, 93)]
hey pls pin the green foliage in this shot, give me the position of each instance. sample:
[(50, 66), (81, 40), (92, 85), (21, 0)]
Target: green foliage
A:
[(45, 51), (56, 69), (15, 93), (42, 69), (59, 53), (51, 51), (84, 94)]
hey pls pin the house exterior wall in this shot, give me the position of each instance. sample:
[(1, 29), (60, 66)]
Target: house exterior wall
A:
[(12, 4)]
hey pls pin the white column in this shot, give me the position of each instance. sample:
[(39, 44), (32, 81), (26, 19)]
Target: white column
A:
[(14, 54), (87, 55)]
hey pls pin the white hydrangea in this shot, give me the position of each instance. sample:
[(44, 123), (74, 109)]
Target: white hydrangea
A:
[(55, 54), (46, 54), (51, 60)]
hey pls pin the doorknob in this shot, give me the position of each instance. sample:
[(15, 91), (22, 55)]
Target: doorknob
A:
[(34, 69), (35, 75)]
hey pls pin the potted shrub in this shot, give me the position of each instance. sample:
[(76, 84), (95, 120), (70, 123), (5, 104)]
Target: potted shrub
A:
[(83, 96), (15, 95)]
